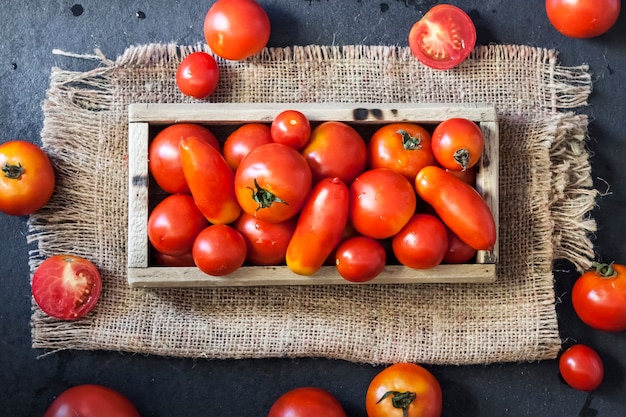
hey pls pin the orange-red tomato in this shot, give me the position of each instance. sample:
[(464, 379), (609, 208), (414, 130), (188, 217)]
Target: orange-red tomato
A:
[(266, 242), (291, 127), (243, 140), (360, 258), (219, 250), (458, 251), (583, 18), (90, 400), (457, 143), (422, 243), (581, 367), (197, 75), (185, 260), (307, 402)]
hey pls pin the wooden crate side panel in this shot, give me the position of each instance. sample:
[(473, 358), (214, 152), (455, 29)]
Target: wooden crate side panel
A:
[(487, 182), (138, 195)]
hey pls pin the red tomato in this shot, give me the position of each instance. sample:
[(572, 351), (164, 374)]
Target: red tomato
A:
[(381, 203), (599, 297), (401, 147), (320, 226), (468, 175), (581, 367), (210, 180), (459, 205), (243, 140), (174, 223), (360, 259), (66, 287), (164, 159), (422, 243), (266, 242), (185, 260), (328, 149), (291, 127), (307, 402), (458, 251), (198, 75), (219, 250), (273, 182), (236, 29), (443, 38), (90, 400), (457, 143), (583, 18), (404, 389), (27, 180)]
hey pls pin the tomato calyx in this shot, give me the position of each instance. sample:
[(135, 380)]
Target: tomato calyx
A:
[(462, 157), (410, 142), (400, 400), (264, 198), (12, 171), (605, 270)]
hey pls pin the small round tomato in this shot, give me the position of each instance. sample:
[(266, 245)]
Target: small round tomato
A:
[(266, 242), (457, 143), (174, 223), (404, 389), (90, 400), (422, 243), (198, 75), (236, 29), (66, 287), (219, 250), (164, 161), (458, 251), (27, 180), (328, 149), (307, 402), (243, 140), (443, 38), (581, 367), (292, 128), (360, 259), (583, 18)]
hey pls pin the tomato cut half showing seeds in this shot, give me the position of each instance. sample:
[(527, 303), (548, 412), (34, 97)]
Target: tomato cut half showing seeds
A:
[(66, 287)]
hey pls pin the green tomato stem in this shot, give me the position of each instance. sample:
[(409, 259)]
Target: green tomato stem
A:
[(409, 142), (400, 400), (13, 172), (605, 270)]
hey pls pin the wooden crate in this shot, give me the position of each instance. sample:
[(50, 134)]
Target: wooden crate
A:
[(145, 118)]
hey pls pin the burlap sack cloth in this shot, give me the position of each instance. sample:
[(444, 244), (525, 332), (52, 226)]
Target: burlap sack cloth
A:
[(545, 197)]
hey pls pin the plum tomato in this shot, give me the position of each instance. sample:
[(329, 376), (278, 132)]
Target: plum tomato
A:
[(66, 287), (291, 127), (164, 161), (458, 251), (583, 18), (360, 258), (197, 75), (422, 243), (307, 402), (91, 400), (581, 367), (243, 140), (266, 242), (457, 144), (443, 38), (219, 250), (27, 180)]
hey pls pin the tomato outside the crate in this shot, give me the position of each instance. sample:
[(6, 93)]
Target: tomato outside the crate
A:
[(244, 140), (581, 367), (198, 75), (219, 250), (266, 242), (422, 243), (583, 18), (457, 144), (307, 402), (91, 400), (360, 258)]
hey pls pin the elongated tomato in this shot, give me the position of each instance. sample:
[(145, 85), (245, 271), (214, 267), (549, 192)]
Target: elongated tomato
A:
[(459, 205), (211, 181), (320, 226)]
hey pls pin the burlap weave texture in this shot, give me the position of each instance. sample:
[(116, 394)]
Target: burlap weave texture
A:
[(545, 197)]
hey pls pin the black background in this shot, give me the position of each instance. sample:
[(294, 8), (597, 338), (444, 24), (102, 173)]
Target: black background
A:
[(158, 386)]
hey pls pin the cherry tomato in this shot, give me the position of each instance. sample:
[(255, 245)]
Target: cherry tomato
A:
[(320, 227), (583, 18), (422, 243), (443, 38), (360, 258), (243, 140), (328, 148), (27, 180), (219, 250), (599, 297), (164, 161), (198, 75), (459, 205), (273, 182), (266, 242), (90, 400), (458, 251), (307, 402), (381, 203), (184, 260), (404, 390), (236, 29), (174, 223), (581, 367), (66, 287), (291, 127), (210, 180), (457, 143)]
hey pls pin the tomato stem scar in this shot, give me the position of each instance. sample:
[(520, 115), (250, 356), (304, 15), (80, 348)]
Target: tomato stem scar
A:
[(263, 197), (13, 172), (400, 400), (410, 142)]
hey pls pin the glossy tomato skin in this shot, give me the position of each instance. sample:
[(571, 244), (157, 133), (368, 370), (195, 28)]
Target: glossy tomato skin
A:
[(292, 128), (583, 18), (407, 380), (198, 75), (27, 179), (381, 203), (459, 206), (581, 367), (320, 226), (210, 180), (266, 242), (181, 261), (219, 250), (174, 223), (599, 297), (458, 251), (443, 38), (66, 287), (307, 402), (91, 400), (164, 160), (401, 147), (244, 140), (457, 143), (422, 243), (360, 259), (236, 29), (272, 182)]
